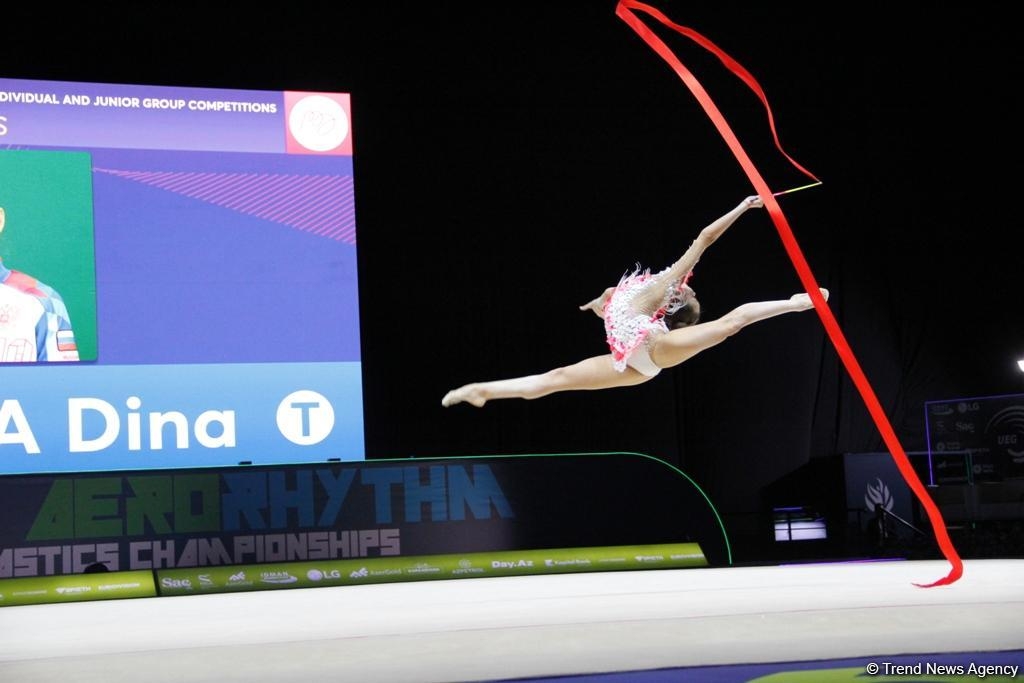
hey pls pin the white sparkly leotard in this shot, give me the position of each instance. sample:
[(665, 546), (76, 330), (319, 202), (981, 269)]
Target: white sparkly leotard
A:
[(628, 330)]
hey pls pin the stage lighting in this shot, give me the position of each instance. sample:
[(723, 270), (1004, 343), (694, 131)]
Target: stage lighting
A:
[(798, 524)]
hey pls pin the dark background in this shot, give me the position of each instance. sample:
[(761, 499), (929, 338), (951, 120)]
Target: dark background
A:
[(512, 160)]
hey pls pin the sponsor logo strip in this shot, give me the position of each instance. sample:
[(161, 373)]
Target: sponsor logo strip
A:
[(356, 571), (76, 587)]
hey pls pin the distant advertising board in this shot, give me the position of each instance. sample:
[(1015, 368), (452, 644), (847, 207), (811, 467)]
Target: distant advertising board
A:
[(985, 434)]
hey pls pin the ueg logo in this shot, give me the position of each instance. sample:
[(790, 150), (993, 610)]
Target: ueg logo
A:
[(318, 575)]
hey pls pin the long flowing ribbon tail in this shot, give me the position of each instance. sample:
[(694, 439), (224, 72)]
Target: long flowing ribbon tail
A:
[(624, 10)]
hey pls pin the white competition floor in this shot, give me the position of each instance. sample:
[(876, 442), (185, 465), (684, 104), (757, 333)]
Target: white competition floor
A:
[(657, 624)]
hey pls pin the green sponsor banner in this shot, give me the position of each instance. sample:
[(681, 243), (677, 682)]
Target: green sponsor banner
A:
[(426, 567), (36, 590)]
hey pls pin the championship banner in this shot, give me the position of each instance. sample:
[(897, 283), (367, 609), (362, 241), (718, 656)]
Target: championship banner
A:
[(430, 567), (249, 515)]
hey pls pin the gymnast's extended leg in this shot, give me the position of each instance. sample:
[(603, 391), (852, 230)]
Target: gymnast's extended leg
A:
[(681, 344), (593, 373)]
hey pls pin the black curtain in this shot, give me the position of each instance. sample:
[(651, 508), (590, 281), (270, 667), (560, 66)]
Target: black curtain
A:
[(513, 160)]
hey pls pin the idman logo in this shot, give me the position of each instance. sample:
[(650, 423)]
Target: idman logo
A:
[(277, 578)]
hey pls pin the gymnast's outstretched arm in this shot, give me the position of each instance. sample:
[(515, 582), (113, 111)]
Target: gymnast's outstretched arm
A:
[(652, 296)]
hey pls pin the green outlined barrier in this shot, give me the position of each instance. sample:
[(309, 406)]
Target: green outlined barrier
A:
[(429, 567), (381, 515), (38, 590)]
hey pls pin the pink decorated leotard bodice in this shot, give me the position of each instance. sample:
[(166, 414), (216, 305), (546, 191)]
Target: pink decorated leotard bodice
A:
[(626, 327)]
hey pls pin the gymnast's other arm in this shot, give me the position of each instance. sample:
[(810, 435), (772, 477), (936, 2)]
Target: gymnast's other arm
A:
[(597, 304)]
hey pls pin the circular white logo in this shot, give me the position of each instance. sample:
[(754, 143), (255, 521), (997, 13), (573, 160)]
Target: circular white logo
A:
[(314, 575), (318, 123), (305, 417)]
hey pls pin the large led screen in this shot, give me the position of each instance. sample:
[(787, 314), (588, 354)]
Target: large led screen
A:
[(178, 283)]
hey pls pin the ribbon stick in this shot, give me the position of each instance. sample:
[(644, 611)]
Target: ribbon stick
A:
[(796, 189), (624, 10)]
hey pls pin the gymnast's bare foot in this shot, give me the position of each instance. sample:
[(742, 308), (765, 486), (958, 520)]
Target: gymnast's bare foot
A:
[(470, 394)]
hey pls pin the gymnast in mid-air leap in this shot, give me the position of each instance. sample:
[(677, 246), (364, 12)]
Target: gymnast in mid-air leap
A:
[(651, 322)]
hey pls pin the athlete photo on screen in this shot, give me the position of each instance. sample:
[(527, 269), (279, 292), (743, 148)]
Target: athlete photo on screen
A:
[(34, 322)]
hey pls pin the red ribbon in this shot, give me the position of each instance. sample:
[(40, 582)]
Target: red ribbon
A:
[(624, 11)]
